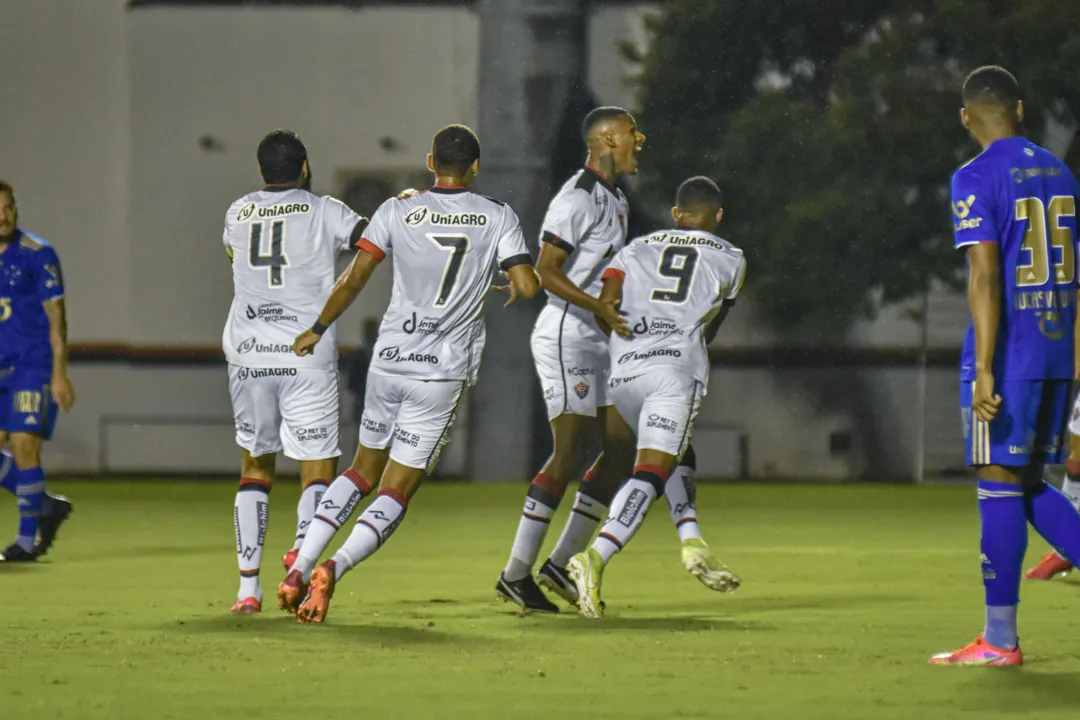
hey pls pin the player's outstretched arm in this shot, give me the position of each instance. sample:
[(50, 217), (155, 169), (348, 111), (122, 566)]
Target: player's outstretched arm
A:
[(984, 297), (554, 280), (346, 288), (62, 390)]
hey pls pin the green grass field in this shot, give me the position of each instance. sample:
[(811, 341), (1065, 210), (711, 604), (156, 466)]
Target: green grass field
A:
[(847, 590)]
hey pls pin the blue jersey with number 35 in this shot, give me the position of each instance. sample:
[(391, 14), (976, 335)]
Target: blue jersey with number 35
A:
[(1023, 198), (29, 276)]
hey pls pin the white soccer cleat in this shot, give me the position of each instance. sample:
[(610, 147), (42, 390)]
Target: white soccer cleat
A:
[(702, 563)]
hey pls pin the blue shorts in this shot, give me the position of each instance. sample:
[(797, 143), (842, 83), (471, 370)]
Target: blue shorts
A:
[(1029, 428), (26, 402)]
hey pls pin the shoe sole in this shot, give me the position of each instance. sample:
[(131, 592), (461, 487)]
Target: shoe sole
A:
[(720, 580), (552, 585), (585, 587)]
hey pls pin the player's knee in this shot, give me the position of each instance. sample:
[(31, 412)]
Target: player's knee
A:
[(689, 458), (260, 468), (26, 449), (548, 489)]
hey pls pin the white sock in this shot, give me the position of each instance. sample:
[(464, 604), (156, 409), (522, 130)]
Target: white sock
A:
[(540, 505), (584, 518), (1070, 487), (334, 509), (305, 509), (681, 495), (251, 514), (627, 513), (374, 527)]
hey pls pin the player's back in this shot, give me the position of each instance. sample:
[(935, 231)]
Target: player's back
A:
[(1024, 198), (284, 244), (445, 243), (675, 281)]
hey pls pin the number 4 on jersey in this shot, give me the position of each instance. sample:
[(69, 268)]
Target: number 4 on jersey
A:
[(275, 261)]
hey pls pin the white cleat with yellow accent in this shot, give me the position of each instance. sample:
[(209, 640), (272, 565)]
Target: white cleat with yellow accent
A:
[(587, 571), (703, 564)]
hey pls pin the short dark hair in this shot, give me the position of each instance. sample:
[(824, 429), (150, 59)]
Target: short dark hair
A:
[(993, 85), (6, 187), (599, 115), (281, 157), (455, 149), (699, 191)]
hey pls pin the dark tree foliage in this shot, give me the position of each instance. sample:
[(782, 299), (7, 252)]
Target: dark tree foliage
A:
[(832, 127)]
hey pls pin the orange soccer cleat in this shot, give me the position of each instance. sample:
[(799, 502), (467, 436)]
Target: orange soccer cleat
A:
[(321, 589), (980, 652), (291, 592), (290, 558), (1050, 567), (247, 605)]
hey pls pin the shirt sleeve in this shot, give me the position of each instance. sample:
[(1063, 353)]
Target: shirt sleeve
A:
[(49, 284), (341, 224), (511, 250), (973, 217), (375, 238), (617, 267), (230, 222), (568, 219), (732, 291)]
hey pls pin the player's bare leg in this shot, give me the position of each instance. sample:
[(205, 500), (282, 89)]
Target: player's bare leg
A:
[(516, 583), (373, 528), (334, 509), (315, 477), (251, 515), (1054, 564)]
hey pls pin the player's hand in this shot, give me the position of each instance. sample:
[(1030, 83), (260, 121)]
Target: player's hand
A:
[(407, 193), (305, 343), (510, 290), (63, 392), (609, 315), (984, 402)]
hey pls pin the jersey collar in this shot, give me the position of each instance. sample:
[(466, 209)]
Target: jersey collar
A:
[(447, 190), (279, 188), (602, 180)]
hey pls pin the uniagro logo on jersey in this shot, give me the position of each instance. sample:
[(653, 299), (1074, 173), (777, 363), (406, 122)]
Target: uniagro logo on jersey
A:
[(633, 355), (394, 354), (422, 214), (252, 345), (252, 373)]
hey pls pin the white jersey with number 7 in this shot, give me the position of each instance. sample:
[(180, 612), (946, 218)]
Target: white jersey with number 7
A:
[(446, 243), (674, 283)]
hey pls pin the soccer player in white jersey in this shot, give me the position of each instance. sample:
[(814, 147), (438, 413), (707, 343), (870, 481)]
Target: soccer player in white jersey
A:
[(681, 283), (283, 242), (446, 243)]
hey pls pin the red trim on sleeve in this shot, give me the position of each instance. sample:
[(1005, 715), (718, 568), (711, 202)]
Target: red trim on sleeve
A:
[(371, 249), (613, 273)]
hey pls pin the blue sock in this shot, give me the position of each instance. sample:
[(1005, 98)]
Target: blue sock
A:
[(7, 472), (1056, 519), (1004, 541), (30, 484)]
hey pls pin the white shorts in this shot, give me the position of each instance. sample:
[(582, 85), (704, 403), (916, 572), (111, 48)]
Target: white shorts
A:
[(416, 415), (572, 362), (660, 407), (290, 409)]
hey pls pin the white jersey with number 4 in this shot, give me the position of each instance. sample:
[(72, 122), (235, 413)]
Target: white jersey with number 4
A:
[(674, 283), (446, 244), (283, 244)]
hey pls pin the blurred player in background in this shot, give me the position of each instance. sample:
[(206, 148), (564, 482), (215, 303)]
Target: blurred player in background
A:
[(1054, 564), (681, 283), (446, 243), (1015, 216), (33, 377), (283, 242)]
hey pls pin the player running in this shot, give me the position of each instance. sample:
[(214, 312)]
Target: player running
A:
[(33, 377), (446, 244), (287, 240), (1054, 564), (1015, 216), (681, 283)]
